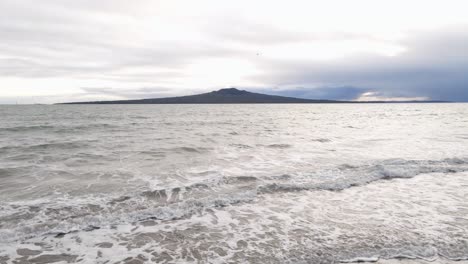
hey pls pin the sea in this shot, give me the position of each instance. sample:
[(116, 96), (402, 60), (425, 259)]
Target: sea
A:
[(250, 183)]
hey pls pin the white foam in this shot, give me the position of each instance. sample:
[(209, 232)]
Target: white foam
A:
[(381, 220)]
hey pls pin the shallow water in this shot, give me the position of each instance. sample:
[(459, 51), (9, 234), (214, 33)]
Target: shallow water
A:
[(233, 183)]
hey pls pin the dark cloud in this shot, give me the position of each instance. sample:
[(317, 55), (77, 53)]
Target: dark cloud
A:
[(434, 66), (331, 93)]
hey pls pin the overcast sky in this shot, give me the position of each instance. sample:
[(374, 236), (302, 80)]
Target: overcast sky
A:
[(66, 50)]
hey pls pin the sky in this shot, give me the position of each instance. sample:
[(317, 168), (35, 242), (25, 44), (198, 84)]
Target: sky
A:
[(63, 50)]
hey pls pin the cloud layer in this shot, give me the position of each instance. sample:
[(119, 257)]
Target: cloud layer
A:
[(67, 50), (433, 66)]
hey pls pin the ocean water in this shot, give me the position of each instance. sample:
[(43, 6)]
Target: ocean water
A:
[(233, 183)]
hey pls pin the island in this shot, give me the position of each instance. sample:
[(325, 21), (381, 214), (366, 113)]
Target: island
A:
[(234, 96)]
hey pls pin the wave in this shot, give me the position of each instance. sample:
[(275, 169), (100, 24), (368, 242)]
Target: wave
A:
[(279, 146), (189, 149), (87, 213), (347, 176), (321, 140), (6, 172), (57, 128), (436, 258), (67, 145), (26, 128)]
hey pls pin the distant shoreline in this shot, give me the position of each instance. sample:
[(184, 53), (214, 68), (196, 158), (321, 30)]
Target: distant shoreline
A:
[(340, 102), (235, 96)]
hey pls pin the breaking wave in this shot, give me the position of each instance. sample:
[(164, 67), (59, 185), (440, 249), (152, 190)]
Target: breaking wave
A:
[(20, 220)]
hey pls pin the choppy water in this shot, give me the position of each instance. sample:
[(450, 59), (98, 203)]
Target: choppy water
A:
[(233, 183)]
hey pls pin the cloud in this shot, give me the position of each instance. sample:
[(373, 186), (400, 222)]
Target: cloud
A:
[(95, 40), (434, 65), (146, 92), (307, 49), (331, 93)]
